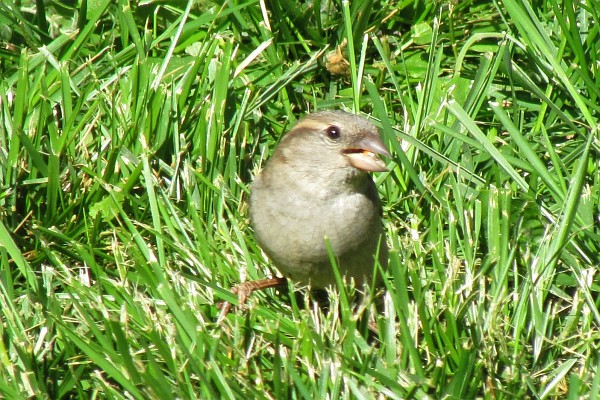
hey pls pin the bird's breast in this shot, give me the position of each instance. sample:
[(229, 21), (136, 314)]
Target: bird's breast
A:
[(293, 223)]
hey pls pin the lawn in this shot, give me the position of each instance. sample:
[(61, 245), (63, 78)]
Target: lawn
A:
[(129, 137)]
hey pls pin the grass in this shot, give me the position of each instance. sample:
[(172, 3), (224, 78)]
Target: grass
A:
[(129, 136)]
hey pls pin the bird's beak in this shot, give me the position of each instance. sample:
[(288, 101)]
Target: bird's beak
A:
[(364, 155)]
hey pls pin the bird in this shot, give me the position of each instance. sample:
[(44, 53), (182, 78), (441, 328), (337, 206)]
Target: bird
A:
[(316, 197)]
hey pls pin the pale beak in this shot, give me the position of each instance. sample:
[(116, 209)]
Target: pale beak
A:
[(364, 155)]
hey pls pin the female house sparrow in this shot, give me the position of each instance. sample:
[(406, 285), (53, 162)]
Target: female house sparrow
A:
[(316, 188)]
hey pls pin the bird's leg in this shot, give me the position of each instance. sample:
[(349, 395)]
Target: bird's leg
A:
[(244, 290)]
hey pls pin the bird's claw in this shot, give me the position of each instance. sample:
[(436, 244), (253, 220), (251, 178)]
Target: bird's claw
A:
[(244, 290)]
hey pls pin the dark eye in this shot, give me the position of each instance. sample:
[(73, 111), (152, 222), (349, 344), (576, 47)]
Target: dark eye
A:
[(333, 132)]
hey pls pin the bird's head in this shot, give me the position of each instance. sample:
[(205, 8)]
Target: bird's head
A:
[(334, 139)]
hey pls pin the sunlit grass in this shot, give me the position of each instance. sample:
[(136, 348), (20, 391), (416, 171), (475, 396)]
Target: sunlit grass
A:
[(129, 136)]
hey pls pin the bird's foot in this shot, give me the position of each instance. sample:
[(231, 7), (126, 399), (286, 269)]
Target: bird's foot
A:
[(244, 290)]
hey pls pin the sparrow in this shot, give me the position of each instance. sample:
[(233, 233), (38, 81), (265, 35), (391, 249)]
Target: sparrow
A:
[(316, 197)]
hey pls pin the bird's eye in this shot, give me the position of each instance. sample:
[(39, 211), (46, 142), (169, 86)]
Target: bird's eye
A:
[(333, 131)]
